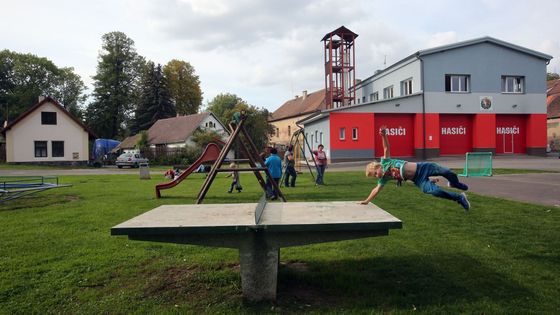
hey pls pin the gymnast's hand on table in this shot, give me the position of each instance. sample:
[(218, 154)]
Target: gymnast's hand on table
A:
[(364, 202)]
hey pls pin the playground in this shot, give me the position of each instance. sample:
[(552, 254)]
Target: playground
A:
[(58, 253)]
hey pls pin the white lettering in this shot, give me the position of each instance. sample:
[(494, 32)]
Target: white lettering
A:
[(515, 130), (400, 131), (454, 130)]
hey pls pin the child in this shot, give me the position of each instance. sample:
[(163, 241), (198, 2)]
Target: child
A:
[(170, 174), (274, 165), (235, 183), (419, 173), (290, 169)]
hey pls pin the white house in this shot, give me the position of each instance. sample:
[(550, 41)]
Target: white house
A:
[(47, 133)]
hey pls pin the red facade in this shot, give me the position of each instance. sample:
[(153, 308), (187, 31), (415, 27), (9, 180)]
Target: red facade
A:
[(450, 134), (455, 134), (400, 133), (362, 122), (511, 134)]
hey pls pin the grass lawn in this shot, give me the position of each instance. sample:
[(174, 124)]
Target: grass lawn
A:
[(57, 255)]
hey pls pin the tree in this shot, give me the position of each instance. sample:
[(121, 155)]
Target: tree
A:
[(184, 86), (552, 76), (115, 92), (142, 143), (155, 102), (25, 77), (225, 105), (201, 137)]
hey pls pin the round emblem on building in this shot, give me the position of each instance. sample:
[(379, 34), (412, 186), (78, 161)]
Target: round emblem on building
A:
[(486, 103)]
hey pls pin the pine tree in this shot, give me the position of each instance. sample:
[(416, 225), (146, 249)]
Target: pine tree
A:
[(155, 102), (114, 95)]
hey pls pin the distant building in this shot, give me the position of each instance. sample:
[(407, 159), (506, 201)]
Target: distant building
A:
[(48, 134), (284, 118), (176, 132), (553, 114), (478, 95)]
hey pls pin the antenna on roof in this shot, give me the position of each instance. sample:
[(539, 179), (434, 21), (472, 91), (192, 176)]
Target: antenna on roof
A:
[(385, 61)]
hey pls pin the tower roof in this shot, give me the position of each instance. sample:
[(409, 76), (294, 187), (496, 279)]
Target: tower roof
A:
[(343, 32)]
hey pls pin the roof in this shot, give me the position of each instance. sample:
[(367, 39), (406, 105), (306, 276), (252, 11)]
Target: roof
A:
[(553, 87), (486, 39), (128, 143), (299, 106), (553, 99), (42, 102), (476, 41), (176, 129), (342, 32)]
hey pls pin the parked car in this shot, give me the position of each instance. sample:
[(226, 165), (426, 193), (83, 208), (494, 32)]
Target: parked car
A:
[(130, 159)]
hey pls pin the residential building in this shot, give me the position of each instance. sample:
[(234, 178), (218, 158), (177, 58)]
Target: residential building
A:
[(285, 117), (47, 134)]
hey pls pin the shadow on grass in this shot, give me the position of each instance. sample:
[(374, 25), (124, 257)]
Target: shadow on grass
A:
[(396, 283)]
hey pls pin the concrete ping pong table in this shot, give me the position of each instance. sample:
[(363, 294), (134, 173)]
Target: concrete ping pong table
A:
[(259, 230)]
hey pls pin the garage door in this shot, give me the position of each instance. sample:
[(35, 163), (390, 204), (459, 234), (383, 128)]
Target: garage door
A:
[(401, 134), (510, 133), (455, 134)]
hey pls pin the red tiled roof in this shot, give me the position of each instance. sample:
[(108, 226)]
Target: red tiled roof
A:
[(553, 106), (300, 106), (176, 129), (553, 87), (51, 100)]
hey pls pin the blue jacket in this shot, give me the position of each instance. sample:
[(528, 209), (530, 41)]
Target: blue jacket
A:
[(274, 165)]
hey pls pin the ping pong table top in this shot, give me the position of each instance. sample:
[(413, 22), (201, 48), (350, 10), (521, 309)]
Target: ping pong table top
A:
[(276, 217)]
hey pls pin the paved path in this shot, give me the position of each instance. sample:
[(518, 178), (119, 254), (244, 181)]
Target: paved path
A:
[(541, 188)]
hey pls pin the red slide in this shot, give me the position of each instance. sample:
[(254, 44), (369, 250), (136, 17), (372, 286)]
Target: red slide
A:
[(211, 153)]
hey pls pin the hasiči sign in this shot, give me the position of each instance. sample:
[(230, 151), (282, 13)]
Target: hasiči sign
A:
[(400, 131), (507, 130), (454, 130)]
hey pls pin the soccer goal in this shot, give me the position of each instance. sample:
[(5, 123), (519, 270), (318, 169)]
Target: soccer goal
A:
[(478, 164)]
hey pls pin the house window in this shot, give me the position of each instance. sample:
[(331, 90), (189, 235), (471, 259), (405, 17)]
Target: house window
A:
[(374, 97), (388, 92), (512, 84), (406, 87), (457, 83), (316, 138), (320, 137), (277, 132), (289, 131), (57, 148), (342, 134), (40, 148), (363, 99), (354, 133), (48, 118)]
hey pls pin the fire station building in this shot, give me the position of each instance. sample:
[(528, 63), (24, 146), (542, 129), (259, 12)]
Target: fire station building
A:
[(479, 95)]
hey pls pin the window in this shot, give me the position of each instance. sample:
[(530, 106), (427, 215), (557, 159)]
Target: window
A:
[(316, 138), (342, 134), (457, 83), (289, 131), (406, 87), (48, 118), (320, 137), (354, 133), (512, 84), (277, 132), (388, 92), (363, 99), (57, 148), (40, 148), (374, 97)]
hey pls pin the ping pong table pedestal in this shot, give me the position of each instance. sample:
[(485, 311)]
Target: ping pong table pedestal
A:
[(259, 234)]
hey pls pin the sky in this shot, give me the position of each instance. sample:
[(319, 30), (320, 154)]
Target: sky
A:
[(266, 52)]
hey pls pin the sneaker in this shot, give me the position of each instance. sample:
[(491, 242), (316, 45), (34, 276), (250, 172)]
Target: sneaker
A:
[(464, 202), (458, 186)]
